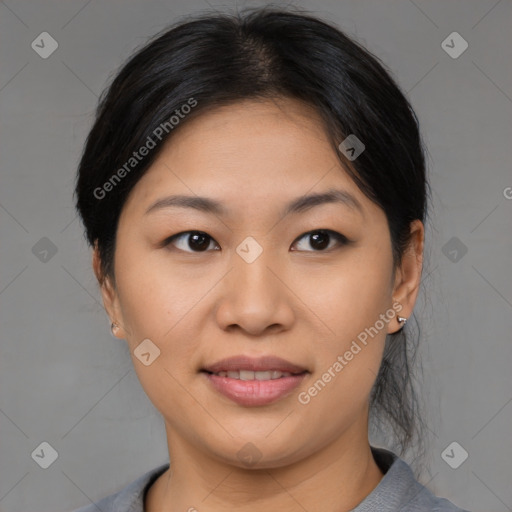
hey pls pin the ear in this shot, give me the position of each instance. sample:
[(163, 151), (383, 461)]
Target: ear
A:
[(108, 293), (408, 274)]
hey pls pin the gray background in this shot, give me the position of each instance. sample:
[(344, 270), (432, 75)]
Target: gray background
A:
[(66, 381)]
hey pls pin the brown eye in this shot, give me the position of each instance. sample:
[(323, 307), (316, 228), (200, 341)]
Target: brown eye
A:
[(320, 239), (190, 241)]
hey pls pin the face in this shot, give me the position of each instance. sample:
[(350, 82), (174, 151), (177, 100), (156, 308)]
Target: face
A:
[(265, 273)]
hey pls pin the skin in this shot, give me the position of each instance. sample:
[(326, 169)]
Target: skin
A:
[(293, 301)]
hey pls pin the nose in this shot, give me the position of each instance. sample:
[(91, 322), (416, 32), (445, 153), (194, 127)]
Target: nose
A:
[(254, 296)]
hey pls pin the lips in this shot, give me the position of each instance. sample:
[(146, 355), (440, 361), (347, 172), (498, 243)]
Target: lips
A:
[(252, 382), (250, 375), (246, 364)]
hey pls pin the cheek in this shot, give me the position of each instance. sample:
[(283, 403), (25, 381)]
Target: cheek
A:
[(350, 299), (350, 294), (163, 309), (157, 302), (348, 357)]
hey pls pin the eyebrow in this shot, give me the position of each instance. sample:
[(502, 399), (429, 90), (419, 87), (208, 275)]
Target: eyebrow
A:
[(299, 205)]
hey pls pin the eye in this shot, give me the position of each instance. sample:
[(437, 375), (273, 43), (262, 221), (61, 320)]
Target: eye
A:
[(190, 241), (321, 238), (199, 241)]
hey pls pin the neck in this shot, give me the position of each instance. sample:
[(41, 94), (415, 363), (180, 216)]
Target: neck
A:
[(338, 477)]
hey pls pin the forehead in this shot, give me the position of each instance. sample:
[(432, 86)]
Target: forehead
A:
[(257, 130), (247, 153)]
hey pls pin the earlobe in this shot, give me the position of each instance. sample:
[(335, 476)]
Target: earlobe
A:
[(400, 320), (114, 327)]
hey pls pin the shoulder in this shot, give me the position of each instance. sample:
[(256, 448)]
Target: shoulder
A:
[(128, 499), (425, 501), (399, 491)]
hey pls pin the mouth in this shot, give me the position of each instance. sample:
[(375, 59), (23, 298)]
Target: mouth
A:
[(251, 381), (252, 375), (257, 365)]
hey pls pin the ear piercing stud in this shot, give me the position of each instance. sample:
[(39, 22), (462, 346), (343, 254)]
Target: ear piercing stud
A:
[(113, 328), (402, 320)]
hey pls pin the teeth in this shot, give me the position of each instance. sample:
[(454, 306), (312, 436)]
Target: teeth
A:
[(262, 375), (250, 375), (246, 375)]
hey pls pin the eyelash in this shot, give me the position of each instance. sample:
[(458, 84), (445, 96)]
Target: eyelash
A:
[(341, 239)]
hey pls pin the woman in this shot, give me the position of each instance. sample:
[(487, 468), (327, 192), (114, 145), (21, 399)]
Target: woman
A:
[(254, 191)]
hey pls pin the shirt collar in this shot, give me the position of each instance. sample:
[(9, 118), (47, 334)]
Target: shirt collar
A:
[(397, 488)]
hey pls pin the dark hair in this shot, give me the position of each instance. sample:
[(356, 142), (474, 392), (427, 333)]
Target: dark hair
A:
[(213, 60)]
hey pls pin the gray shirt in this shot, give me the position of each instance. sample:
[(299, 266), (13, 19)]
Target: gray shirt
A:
[(398, 491)]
